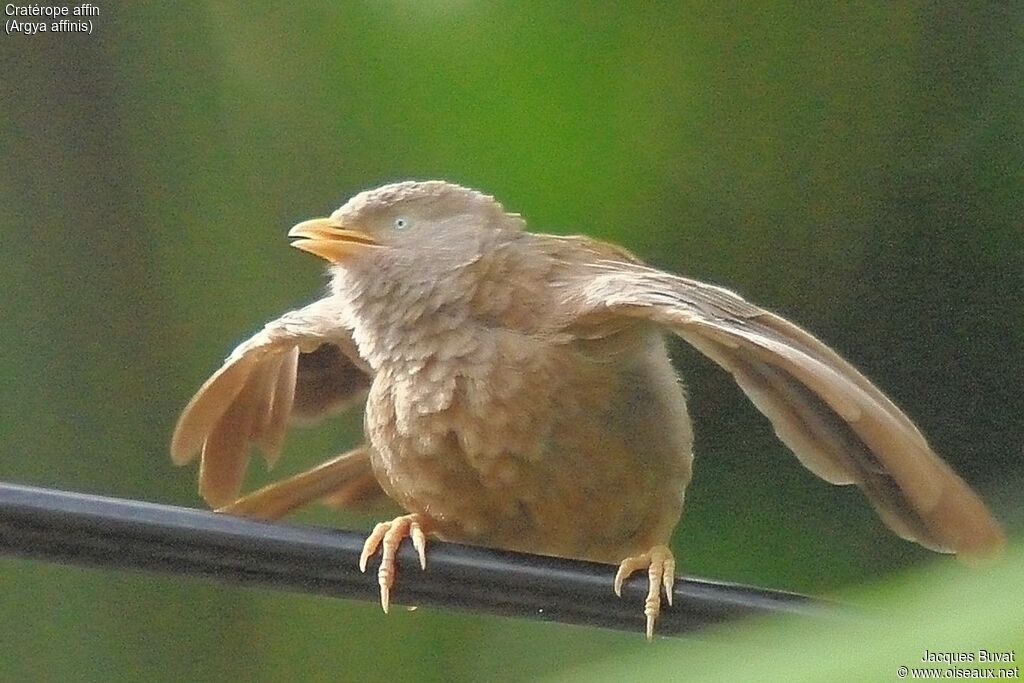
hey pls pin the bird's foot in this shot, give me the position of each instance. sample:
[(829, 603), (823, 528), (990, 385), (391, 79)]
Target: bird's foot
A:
[(390, 535), (661, 572)]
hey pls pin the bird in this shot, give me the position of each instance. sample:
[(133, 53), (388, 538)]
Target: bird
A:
[(519, 395)]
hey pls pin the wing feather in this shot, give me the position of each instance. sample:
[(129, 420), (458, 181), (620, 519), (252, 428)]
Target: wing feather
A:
[(252, 397), (343, 481), (840, 425), (272, 439)]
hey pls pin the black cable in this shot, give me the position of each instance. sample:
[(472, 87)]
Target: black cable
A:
[(80, 529)]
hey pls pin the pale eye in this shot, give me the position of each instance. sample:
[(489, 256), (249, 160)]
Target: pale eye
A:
[(401, 224)]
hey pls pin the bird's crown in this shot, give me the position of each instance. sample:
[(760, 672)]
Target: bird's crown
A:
[(437, 192)]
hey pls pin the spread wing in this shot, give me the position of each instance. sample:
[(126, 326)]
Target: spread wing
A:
[(301, 366), (840, 426)]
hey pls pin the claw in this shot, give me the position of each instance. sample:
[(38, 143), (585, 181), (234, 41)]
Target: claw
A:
[(668, 577), (372, 543), (387, 536), (419, 541), (626, 569), (661, 567)]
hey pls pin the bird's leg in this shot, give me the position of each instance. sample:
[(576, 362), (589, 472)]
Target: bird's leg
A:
[(661, 572), (390, 535)]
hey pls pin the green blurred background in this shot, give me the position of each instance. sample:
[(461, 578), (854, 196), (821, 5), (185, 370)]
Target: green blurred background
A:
[(858, 167)]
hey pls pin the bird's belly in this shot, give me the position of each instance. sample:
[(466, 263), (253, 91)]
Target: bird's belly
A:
[(583, 459)]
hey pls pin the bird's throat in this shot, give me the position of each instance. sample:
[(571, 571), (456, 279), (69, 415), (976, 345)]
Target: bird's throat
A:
[(401, 325)]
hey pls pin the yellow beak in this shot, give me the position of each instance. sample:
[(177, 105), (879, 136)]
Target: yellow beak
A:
[(326, 239)]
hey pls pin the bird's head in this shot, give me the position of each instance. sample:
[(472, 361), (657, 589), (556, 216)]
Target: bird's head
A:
[(438, 226)]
